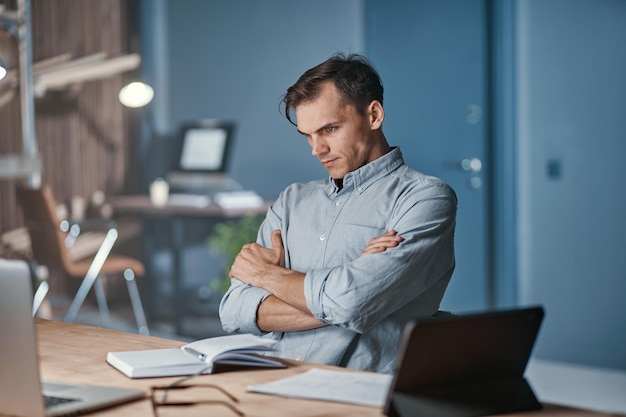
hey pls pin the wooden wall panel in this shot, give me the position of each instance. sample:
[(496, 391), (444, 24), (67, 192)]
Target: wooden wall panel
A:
[(82, 131)]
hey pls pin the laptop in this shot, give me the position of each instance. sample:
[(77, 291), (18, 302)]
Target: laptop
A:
[(466, 365), (21, 391)]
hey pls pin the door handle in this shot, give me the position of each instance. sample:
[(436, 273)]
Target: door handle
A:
[(473, 165)]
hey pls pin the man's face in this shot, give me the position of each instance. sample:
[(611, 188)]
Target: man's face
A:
[(339, 137)]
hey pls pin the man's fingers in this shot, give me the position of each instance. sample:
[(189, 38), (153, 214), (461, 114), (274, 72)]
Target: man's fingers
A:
[(386, 240), (383, 242), (277, 240), (277, 244), (373, 249)]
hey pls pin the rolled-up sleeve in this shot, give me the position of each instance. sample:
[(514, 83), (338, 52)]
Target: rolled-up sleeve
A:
[(239, 306)]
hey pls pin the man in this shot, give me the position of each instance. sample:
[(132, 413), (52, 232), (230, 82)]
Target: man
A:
[(342, 264)]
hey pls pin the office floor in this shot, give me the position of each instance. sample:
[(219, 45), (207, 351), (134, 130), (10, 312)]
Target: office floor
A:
[(553, 382)]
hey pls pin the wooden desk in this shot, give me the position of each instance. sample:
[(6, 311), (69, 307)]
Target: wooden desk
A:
[(76, 353), (174, 216), (141, 204)]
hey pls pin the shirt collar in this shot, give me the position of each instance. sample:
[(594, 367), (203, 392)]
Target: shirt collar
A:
[(365, 176)]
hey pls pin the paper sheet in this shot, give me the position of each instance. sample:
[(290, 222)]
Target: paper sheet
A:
[(321, 384)]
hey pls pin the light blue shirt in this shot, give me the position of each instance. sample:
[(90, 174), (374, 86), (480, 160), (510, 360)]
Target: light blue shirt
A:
[(365, 300)]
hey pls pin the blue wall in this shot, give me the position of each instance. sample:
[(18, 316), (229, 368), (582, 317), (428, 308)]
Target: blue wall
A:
[(571, 145)]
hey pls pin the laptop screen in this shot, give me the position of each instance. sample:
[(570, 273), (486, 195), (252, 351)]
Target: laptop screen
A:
[(205, 146)]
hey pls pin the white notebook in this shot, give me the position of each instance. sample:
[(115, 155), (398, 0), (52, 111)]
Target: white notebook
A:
[(216, 354)]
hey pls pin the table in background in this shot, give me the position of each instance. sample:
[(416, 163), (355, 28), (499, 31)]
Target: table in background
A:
[(174, 216), (76, 353)]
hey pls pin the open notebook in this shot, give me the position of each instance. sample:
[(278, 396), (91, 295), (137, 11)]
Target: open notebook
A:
[(21, 391)]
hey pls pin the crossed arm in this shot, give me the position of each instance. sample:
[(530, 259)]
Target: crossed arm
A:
[(286, 309)]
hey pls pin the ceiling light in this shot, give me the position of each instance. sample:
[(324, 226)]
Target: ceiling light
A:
[(136, 94)]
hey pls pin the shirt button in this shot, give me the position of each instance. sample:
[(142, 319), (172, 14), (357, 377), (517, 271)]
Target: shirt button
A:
[(338, 203), (322, 237), (359, 189), (298, 358)]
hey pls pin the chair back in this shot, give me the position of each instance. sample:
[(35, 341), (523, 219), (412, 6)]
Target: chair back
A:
[(43, 224)]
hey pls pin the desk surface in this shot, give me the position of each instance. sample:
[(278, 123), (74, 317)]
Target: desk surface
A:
[(141, 204), (76, 353)]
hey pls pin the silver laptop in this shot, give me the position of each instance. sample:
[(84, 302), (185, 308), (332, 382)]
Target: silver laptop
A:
[(21, 391)]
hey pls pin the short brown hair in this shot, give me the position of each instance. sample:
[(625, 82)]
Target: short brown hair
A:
[(354, 77)]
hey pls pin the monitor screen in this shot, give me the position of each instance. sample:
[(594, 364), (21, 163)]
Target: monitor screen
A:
[(204, 147)]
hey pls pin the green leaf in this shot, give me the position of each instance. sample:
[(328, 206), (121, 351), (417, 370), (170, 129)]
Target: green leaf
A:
[(227, 239)]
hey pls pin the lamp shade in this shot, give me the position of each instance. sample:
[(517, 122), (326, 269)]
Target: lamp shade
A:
[(3, 69), (136, 94)]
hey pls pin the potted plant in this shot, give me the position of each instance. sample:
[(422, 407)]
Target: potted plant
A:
[(227, 239)]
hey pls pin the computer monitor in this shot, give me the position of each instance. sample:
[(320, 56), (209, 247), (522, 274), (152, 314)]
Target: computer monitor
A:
[(205, 146)]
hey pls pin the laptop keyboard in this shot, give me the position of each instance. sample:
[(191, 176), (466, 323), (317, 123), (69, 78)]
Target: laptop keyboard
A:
[(54, 401)]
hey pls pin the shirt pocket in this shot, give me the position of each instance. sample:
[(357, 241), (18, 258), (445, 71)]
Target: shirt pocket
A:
[(356, 236)]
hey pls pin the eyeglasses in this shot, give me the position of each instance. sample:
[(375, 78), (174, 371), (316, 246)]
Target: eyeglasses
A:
[(174, 399)]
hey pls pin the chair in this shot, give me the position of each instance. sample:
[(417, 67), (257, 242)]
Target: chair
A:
[(443, 314), (50, 241), (41, 285)]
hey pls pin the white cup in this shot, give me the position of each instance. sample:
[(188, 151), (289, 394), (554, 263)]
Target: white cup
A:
[(159, 192)]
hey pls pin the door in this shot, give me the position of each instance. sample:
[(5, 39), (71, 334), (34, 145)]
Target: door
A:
[(432, 58)]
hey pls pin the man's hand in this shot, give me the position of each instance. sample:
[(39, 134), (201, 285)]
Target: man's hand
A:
[(264, 268), (254, 261), (383, 242)]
